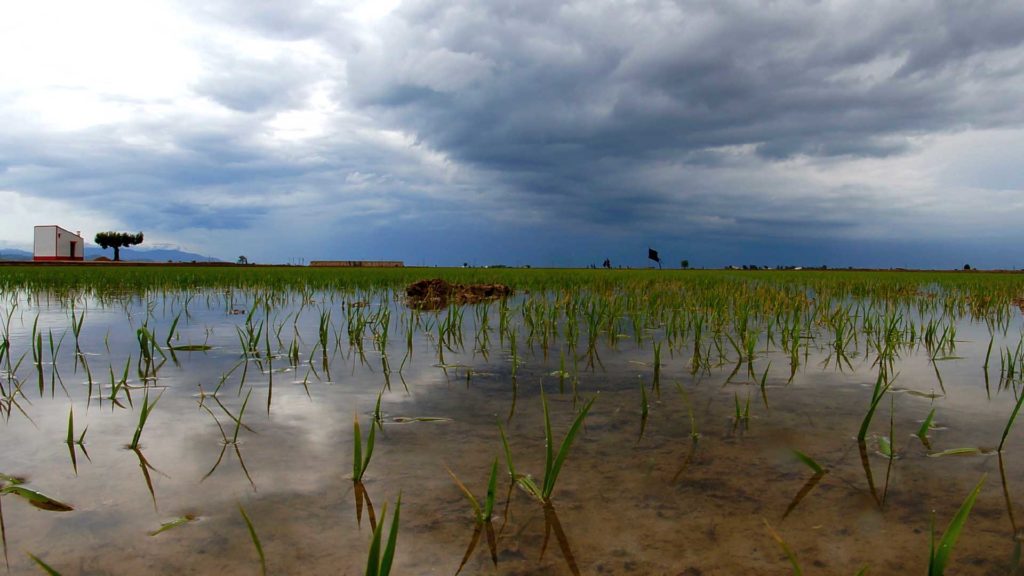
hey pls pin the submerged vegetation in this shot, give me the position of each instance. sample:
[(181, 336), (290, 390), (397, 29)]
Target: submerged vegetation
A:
[(843, 366)]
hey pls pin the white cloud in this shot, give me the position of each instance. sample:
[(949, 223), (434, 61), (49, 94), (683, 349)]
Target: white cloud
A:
[(21, 213)]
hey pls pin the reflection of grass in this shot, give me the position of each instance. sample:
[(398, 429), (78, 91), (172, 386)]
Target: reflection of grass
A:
[(233, 441), (644, 407), (819, 473)]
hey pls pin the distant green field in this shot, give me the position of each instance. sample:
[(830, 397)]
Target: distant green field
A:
[(858, 283)]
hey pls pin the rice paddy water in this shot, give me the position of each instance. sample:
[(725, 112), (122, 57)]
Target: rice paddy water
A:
[(235, 420)]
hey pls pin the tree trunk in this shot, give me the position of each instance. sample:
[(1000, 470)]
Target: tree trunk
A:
[(117, 253)]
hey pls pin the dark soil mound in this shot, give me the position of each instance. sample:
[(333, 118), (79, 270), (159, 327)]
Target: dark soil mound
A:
[(436, 293)]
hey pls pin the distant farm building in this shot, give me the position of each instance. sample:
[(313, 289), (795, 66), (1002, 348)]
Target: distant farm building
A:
[(55, 243), (358, 263)]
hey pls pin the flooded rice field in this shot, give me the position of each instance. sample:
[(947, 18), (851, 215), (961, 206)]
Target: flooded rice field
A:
[(736, 424)]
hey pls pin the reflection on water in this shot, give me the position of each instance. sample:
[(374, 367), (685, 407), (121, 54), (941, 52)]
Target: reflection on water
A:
[(685, 458)]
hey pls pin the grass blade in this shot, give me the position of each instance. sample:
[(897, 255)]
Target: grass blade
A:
[(492, 489), (810, 462), (255, 540), (389, 549), (1009, 423), (171, 524), (785, 548), (940, 555), (37, 499), (563, 451), (46, 567), (357, 449), (477, 511), (373, 558), (922, 432), (508, 452), (549, 442)]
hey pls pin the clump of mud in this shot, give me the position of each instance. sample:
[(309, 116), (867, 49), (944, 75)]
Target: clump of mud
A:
[(435, 293)]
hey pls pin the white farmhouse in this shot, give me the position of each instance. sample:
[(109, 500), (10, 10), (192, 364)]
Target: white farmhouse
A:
[(56, 243)]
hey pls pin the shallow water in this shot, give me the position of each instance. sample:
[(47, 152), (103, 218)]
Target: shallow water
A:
[(660, 503)]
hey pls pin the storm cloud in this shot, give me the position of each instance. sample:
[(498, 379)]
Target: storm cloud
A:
[(860, 133)]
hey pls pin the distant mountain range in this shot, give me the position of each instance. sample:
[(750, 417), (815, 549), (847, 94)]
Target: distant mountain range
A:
[(127, 254)]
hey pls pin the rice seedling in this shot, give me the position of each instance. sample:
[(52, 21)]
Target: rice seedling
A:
[(174, 523), (790, 555), (37, 354), (482, 516), (71, 430), (144, 413), (360, 461), (742, 416), (882, 385), (553, 463), (148, 350), (763, 384), (171, 334), (1009, 422), (43, 565), (885, 446), (54, 373), (15, 487), (379, 562), (255, 540), (809, 462), (963, 451), (926, 426), (938, 556), (72, 442)]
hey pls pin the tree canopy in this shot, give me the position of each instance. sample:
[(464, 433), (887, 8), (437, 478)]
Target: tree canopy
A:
[(117, 240)]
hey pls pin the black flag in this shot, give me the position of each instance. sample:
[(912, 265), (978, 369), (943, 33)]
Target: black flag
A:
[(652, 254)]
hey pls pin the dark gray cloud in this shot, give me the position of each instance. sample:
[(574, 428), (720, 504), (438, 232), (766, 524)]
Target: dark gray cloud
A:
[(568, 101)]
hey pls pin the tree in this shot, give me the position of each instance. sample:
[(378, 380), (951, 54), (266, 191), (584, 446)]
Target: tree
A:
[(117, 240), (684, 264), (243, 260), (967, 266)]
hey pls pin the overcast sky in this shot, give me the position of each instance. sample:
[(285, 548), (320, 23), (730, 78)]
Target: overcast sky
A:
[(439, 132)]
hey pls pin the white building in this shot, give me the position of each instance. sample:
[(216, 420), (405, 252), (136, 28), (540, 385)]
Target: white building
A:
[(56, 243)]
